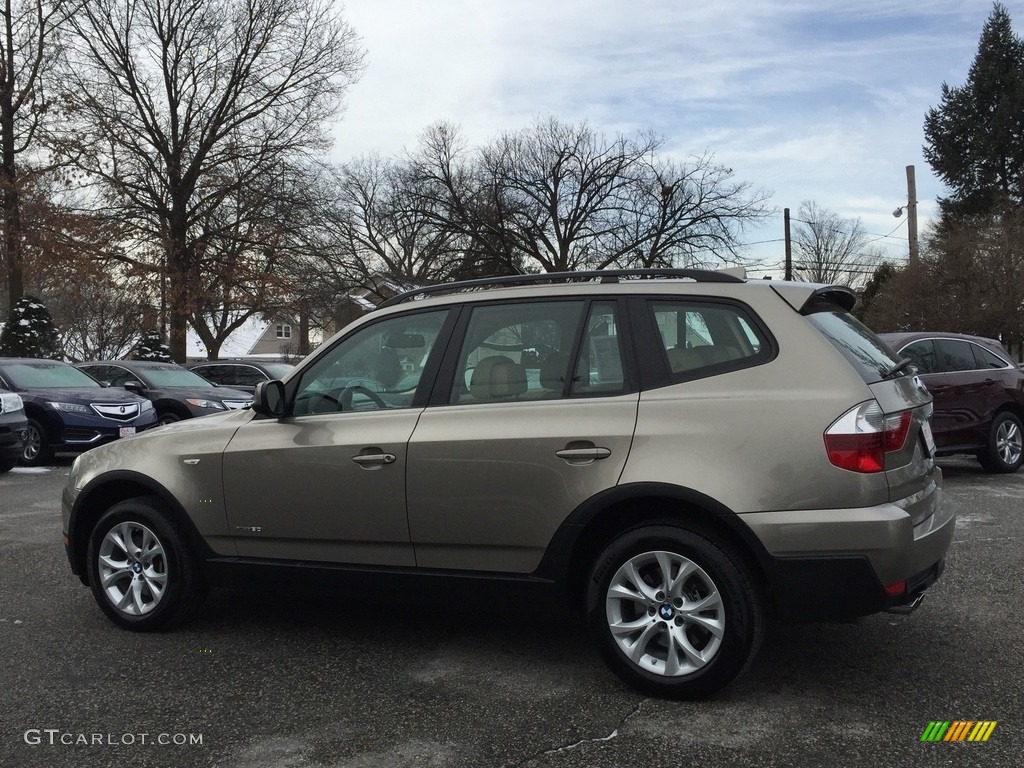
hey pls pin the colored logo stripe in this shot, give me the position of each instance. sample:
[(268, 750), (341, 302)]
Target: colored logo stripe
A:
[(958, 730), (935, 731)]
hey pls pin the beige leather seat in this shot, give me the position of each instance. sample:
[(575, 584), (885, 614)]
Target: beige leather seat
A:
[(497, 378)]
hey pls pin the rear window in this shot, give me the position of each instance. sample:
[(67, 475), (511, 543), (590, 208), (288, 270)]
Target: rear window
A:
[(867, 353)]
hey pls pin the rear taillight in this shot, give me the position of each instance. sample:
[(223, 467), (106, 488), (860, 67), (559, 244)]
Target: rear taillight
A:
[(859, 439)]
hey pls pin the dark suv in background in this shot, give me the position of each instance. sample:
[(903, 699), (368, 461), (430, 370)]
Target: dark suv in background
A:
[(69, 411), (978, 391), (176, 393)]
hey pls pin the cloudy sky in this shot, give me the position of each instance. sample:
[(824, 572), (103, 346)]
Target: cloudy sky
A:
[(807, 99)]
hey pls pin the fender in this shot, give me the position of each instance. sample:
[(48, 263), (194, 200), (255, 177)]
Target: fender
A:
[(108, 489)]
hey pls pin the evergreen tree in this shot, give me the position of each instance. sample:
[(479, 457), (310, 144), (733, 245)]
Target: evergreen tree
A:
[(975, 137), (29, 332), (883, 273), (152, 347)]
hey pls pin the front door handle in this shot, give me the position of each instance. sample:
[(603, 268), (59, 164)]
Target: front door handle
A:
[(374, 460)]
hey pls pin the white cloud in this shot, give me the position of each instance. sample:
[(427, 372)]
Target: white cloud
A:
[(808, 99)]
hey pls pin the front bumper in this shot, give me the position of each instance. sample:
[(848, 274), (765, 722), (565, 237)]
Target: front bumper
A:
[(12, 438)]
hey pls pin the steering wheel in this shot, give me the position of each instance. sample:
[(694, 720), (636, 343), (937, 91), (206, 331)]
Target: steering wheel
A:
[(345, 401)]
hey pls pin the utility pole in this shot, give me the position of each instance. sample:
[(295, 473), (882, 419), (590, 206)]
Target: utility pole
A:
[(789, 245), (912, 214)]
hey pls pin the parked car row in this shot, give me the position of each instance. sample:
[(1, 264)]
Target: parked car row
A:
[(48, 407), (175, 392)]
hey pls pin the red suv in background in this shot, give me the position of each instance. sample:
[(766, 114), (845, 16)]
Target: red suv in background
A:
[(978, 391)]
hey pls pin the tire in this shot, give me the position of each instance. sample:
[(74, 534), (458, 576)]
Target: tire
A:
[(167, 418), (1005, 445), (671, 649), (6, 465), (155, 586), (36, 450)]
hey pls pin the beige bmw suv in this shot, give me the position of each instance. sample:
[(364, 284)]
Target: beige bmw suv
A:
[(676, 453)]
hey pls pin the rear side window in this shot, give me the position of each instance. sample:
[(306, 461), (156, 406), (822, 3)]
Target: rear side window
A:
[(958, 355), (703, 338), (868, 354), (988, 359)]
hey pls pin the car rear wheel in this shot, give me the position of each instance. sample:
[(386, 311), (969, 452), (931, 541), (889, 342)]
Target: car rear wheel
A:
[(141, 570), (1005, 444), (36, 449), (674, 614)]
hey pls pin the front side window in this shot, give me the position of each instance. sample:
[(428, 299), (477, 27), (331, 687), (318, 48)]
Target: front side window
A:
[(244, 375), (923, 355), (701, 338), (219, 374), (378, 367)]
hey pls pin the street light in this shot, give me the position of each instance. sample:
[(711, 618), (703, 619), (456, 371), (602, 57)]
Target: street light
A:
[(911, 207)]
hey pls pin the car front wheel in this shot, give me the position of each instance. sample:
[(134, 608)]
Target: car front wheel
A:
[(36, 449), (674, 614), (1005, 444), (141, 570)]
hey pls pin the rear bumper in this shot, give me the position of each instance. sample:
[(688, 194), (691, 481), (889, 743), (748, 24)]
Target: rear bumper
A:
[(851, 562)]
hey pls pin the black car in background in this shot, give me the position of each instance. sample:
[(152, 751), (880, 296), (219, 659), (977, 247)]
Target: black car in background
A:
[(176, 392), (241, 374), (13, 426), (68, 411), (978, 391)]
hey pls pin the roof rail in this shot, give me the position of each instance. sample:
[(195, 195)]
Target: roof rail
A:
[(603, 275)]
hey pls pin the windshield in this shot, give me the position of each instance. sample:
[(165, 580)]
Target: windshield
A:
[(867, 353), (174, 377), (46, 374)]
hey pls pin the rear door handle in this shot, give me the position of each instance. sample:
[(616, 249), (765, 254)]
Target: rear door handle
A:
[(583, 455)]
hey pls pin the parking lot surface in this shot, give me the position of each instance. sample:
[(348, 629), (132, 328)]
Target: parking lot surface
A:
[(277, 680)]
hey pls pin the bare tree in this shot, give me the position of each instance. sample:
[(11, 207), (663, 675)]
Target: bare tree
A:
[(98, 316), (30, 49), (378, 226), (241, 247), (179, 103), (830, 249), (565, 198), (453, 190)]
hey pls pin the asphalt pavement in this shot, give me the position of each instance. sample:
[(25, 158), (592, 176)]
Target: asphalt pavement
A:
[(263, 680)]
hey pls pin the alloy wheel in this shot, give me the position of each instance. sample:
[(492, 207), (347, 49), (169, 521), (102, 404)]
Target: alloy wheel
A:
[(1009, 442), (132, 568), (33, 444), (665, 613)]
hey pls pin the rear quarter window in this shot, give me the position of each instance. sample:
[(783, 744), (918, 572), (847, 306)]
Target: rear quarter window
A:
[(868, 354)]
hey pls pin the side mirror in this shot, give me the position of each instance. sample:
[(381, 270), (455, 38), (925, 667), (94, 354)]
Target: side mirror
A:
[(134, 386), (268, 399)]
